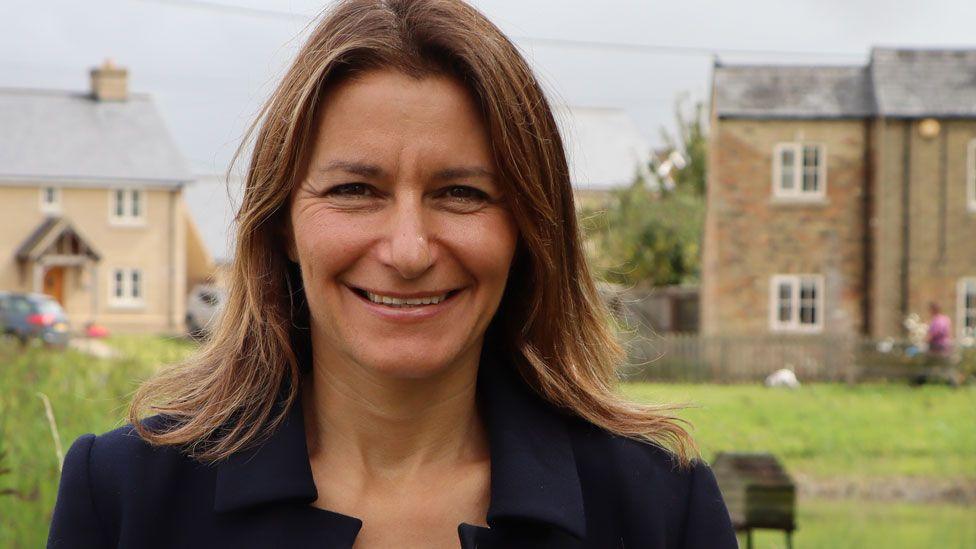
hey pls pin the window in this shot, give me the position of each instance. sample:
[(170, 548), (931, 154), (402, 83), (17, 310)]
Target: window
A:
[(796, 303), (126, 288), (971, 176), (799, 171), (127, 207), (50, 200), (967, 307)]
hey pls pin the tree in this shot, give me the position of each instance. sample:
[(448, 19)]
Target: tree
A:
[(645, 236), (692, 142)]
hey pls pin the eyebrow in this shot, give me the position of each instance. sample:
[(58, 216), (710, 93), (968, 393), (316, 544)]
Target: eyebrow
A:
[(371, 170), (357, 168)]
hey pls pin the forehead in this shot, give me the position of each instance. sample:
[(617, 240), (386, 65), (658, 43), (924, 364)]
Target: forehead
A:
[(385, 111)]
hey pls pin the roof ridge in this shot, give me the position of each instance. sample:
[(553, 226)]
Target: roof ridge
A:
[(926, 49), (61, 93), (787, 66)]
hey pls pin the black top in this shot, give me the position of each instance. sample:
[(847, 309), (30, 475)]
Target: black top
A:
[(556, 481)]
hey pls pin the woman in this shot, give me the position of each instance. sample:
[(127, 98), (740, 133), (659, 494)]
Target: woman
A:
[(413, 353)]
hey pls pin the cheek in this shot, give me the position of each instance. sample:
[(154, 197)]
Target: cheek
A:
[(327, 244), (486, 245)]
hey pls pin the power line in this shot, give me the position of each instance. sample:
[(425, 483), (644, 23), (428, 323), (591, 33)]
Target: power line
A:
[(206, 5), (634, 47), (676, 50)]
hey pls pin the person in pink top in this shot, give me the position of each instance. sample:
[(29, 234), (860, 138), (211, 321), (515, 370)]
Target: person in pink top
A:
[(940, 330)]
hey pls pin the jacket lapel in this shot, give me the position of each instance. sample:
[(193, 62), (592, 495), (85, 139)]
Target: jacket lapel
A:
[(535, 488)]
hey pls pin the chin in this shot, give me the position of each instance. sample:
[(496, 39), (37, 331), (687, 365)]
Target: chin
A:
[(407, 369), (409, 364)]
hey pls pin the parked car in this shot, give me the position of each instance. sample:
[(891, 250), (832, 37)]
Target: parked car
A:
[(203, 305), (29, 316)]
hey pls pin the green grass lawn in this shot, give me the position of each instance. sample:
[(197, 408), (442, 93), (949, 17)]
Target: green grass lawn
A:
[(862, 525), (835, 430), (874, 431), (87, 395)]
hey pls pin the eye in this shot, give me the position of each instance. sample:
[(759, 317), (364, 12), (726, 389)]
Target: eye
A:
[(463, 193), (350, 190)]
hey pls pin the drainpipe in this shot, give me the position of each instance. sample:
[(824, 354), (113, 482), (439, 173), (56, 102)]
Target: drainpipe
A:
[(943, 193), (171, 268), (906, 178), (869, 215)]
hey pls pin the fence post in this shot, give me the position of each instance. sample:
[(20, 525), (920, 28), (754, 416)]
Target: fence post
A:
[(854, 344), (723, 362)]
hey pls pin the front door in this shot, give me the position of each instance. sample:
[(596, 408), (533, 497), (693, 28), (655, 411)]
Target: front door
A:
[(54, 283)]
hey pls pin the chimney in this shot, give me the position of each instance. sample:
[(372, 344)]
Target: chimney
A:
[(109, 82)]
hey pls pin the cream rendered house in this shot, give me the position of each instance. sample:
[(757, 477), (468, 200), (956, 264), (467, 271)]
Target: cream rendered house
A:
[(91, 206)]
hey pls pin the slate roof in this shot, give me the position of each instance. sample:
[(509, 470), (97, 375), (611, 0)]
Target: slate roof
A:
[(750, 91), (918, 83), (53, 136), (46, 234), (897, 83)]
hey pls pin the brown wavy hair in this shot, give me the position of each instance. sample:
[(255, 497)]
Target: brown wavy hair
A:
[(551, 322)]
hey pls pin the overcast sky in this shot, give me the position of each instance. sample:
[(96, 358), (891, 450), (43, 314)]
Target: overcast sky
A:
[(209, 68)]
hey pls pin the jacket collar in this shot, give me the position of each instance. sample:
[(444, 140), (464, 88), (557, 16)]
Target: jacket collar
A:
[(533, 469)]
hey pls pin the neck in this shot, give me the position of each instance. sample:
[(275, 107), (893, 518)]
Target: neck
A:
[(390, 427)]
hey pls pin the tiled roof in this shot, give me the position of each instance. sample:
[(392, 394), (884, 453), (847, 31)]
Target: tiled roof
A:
[(56, 136), (916, 83), (765, 91), (46, 234), (896, 83)]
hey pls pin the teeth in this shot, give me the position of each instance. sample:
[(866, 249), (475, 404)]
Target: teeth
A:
[(412, 302)]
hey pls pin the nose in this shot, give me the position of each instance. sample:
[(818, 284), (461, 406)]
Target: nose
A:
[(408, 249)]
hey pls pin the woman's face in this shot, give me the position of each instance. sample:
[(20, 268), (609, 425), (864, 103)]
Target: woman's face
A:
[(400, 226)]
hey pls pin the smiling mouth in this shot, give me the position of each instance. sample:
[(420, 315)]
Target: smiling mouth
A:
[(399, 303)]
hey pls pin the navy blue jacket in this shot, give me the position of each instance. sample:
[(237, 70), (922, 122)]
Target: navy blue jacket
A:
[(556, 482)]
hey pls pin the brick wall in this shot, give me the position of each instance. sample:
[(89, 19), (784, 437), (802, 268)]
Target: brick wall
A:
[(923, 260), (750, 235)]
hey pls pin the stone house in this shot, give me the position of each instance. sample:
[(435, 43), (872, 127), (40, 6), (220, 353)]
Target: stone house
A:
[(841, 198), (91, 197)]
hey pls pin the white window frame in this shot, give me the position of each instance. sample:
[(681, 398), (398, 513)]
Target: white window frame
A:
[(128, 299), (130, 196), (793, 324), (961, 306), (797, 192), (971, 176), (53, 207)]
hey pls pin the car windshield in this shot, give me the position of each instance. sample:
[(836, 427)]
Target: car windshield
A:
[(48, 306)]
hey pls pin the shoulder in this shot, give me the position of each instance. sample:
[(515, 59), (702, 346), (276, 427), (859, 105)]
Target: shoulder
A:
[(122, 454), (635, 463), (111, 473), (654, 499)]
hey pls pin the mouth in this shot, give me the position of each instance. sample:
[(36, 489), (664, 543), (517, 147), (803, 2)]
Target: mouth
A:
[(395, 302)]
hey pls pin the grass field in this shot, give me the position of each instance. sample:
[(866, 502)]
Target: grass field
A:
[(858, 525), (86, 394), (871, 431), (835, 430)]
